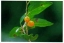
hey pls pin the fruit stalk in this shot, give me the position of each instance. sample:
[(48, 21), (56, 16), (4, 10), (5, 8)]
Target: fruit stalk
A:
[(23, 29), (26, 29)]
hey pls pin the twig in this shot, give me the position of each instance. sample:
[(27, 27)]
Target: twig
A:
[(27, 14), (23, 29), (28, 3), (27, 7), (29, 40), (26, 29)]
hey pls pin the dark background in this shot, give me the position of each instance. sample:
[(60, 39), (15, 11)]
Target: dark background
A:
[(11, 11)]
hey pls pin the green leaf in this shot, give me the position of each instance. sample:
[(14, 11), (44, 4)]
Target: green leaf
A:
[(15, 32), (42, 23), (25, 36), (22, 18), (37, 10), (33, 5), (35, 37), (32, 38)]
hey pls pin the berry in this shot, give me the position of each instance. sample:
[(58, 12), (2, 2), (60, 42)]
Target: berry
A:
[(30, 24), (26, 19)]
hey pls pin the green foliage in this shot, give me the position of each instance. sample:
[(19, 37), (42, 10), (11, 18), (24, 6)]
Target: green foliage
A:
[(16, 31), (42, 6), (32, 38), (22, 18), (33, 5), (26, 36), (42, 23), (33, 9)]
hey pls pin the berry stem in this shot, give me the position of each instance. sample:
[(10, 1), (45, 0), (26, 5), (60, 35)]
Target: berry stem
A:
[(26, 29), (26, 8), (27, 14), (23, 29)]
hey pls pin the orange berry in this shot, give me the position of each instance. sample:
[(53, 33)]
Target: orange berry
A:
[(26, 19), (30, 24)]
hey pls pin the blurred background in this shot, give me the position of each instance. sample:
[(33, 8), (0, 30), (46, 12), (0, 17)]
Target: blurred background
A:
[(11, 11)]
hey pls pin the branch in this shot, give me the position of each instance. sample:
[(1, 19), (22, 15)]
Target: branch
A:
[(23, 29)]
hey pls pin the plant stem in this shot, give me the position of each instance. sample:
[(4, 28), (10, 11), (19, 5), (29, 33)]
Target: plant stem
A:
[(26, 8), (23, 29), (26, 30), (29, 40), (27, 14)]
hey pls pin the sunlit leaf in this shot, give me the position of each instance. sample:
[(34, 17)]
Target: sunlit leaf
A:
[(16, 31), (42, 23), (37, 10), (33, 5)]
